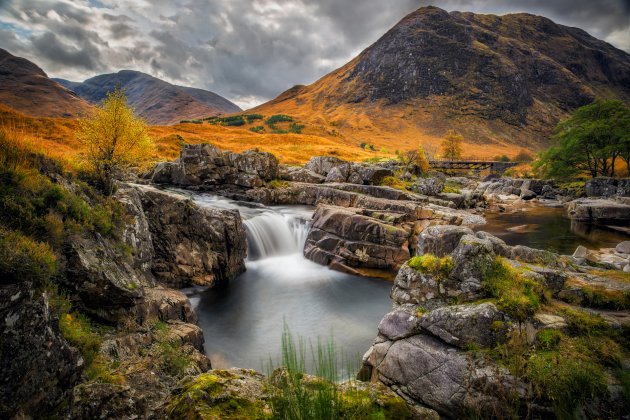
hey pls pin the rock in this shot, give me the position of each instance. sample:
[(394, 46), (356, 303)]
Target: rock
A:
[(304, 175), (440, 240), (444, 378), (472, 257), (166, 173), (600, 210), (37, 367), (550, 321), (193, 245), (397, 324), (136, 232), (252, 162), (580, 252), (623, 247), (102, 277), (498, 245), (107, 401), (428, 186), (527, 194), (322, 165), (413, 287), (626, 269), (358, 174), (462, 325), (346, 237), (607, 187), (164, 304), (186, 333)]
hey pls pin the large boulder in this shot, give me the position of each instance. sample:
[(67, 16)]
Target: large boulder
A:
[(471, 260), (297, 174), (322, 165), (428, 186), (440, 240), (193, 245), (345, 239), (358, 174), (411, 287)]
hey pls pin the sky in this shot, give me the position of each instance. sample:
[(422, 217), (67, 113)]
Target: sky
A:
[(248, 51)]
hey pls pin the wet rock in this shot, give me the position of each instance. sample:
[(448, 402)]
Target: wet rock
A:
[(462, 325), (37, 367), (193, 245), (440, 240)]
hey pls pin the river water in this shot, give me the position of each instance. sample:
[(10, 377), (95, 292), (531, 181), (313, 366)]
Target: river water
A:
[(243, 322), (546, 227)]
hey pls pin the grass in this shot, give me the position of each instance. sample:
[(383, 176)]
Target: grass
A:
[(517, 295), (451, 187), (276, 184), (24, 259), (395, 182), (430, 264)]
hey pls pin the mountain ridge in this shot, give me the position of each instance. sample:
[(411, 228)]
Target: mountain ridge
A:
[(157, 101)]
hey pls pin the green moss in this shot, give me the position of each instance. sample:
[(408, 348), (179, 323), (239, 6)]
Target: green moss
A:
[(78, 331), (421, 311), (430, 264), (451, 187), (596, 297), (277, 184), (548, 339), (518, 295), (396, 182), (172, 359), (363, 404)]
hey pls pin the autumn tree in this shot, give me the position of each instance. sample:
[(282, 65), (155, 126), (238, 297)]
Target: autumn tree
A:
[(114, 140), (415, 161), (452, 145), (590, 141)]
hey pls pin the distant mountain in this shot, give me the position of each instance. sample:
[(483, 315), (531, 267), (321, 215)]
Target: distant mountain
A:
[(26, 88), (157, 101), (498, 79)]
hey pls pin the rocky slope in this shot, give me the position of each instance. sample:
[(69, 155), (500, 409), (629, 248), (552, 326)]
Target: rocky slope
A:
[(26, 88), (157, 101), (498, 79)]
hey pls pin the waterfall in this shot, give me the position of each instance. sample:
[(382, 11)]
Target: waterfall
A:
[(271, 234)]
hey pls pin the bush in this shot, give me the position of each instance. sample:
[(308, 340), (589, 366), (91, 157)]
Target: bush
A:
[(23, 259), (253, 117), (78, 332), (277, 184), (278, 118), (257, 129), (296, 128)]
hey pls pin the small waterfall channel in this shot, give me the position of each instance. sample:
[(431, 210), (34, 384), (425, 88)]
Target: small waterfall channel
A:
[(243, 322)]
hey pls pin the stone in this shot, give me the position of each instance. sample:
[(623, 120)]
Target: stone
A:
[(107, 401), (253, 162), (599, 210), (550, 321), (607, 187), (193, 245), (413, 287), (166, 173), (464, 325), (428, 186), (472, 257), (159, 303), (357, 174), (304, 175), (527, 194), (397, 324), (623, 247), (440, 240), (580, 252), (322, 165), (498, 245)]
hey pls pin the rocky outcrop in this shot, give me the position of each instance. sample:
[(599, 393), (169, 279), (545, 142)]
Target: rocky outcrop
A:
[(299, 174), (192, 245), (204, 165), (600, 210), (322, 165), (432, 186), (37, 367), (510, 189), (608, 187), (358, 174)]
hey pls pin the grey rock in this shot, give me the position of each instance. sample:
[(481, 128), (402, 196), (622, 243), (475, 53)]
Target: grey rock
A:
[(428, 186), (623, 247), (462, 325), (440, 240), (323, 164), (607, 187), (580, 252), (397, 324), (413, 287), (471, 259), (601, 210), (304, 175)]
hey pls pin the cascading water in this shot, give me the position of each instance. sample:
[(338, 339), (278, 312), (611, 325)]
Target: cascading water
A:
[(273, 234), (243, 322)]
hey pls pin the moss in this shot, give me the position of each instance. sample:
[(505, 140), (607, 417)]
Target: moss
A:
[(548, 339), (615, 275), (421, 311), (364, 404), (582, 322), (430, 264), (78, 331), (518, 295), (395, 182), (275, 184), (172, 359), (451, 187), (597, 297)]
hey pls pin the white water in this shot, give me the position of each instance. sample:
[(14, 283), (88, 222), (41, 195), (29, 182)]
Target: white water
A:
[(243, 322)]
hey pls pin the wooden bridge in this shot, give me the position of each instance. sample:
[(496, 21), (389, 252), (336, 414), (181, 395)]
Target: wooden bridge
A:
[(495, 167)]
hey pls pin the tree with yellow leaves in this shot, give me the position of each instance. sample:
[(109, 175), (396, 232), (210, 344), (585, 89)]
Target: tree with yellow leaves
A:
[(452, 145), (114, 140)]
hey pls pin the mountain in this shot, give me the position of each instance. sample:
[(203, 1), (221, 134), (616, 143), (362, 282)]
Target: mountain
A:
[(26, 88), (503, 80), (157, 101)]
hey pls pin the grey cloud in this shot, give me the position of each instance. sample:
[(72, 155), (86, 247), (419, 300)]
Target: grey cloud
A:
[(250, 50)]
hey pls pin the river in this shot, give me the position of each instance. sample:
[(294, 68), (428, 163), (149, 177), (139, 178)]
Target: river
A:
[(243, 322)]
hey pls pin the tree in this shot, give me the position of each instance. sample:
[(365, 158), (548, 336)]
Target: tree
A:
[(452, 145), (415, 161), (590, 141), (114, 140)]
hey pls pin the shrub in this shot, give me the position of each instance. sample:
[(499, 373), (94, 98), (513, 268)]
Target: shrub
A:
[(23, 259), (296, 128), (172, 359), (78, 332), (277, 184), (278, 118), (395, 182), (523, 156), (253, 117), (257, 129), (519, 296)]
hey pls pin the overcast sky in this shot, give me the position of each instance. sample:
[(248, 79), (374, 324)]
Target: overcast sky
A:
[(248, 51)]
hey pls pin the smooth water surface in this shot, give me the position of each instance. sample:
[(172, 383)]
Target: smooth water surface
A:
[(548, 228), (243, 322)]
